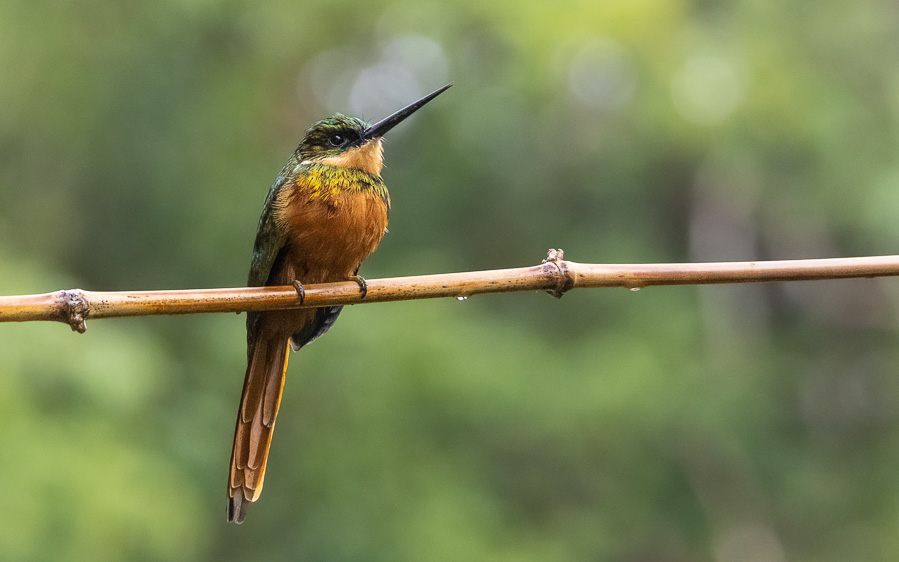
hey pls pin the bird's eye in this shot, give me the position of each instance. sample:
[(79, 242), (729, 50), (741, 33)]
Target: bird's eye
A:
[(336, 139)]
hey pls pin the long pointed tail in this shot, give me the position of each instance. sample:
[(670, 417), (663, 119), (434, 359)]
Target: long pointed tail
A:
[(255, 422)]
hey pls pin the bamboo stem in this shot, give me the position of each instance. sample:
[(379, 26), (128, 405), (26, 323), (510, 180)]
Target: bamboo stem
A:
[(553, 275)]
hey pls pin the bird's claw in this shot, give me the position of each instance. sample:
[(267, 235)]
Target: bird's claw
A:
[(301, 292), (363, 285)]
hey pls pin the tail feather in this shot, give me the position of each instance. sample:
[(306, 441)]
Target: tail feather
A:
[(274, 385), (259, 405)]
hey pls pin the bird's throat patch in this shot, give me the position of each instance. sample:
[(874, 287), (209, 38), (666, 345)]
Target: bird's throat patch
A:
[(369, 158)]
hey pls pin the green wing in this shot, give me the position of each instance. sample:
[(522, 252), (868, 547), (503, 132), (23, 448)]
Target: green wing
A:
[(270, 238)]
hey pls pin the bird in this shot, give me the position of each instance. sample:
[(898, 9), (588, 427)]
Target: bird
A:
[(325, 213)]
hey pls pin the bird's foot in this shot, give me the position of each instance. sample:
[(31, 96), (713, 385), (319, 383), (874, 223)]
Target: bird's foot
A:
[(363, 285), (301, 292)]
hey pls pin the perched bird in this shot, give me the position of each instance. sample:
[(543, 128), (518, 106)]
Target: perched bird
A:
[(325, 213)]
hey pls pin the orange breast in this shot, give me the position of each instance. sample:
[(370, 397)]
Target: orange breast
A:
[(328, 237)]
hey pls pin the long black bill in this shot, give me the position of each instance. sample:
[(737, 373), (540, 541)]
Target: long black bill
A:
[(380, 128)]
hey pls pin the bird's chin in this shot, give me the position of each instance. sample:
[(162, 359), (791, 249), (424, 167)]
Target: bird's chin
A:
[(369, 157)]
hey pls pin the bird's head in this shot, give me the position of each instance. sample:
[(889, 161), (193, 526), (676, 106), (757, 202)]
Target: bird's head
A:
[(333, 136), (351, 142)]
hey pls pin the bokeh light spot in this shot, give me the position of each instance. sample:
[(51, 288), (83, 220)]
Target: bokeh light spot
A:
[(707, 89)]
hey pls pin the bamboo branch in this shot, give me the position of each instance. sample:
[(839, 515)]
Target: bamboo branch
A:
[(554, 275)]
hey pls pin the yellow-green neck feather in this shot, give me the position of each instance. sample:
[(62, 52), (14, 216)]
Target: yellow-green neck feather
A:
[(324, 180)]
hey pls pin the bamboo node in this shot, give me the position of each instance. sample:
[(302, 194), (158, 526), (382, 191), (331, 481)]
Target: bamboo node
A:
[(564, 281), (75, 309)]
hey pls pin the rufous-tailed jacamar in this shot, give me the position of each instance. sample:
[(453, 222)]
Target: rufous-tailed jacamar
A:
[(325, 213)]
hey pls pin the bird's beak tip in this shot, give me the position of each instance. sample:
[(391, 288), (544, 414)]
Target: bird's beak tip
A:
[(380, 128)]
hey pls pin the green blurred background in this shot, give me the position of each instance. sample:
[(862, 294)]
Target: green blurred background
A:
[(738, 423)]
